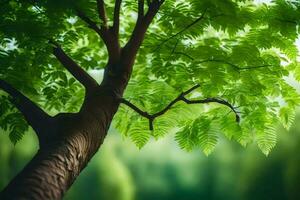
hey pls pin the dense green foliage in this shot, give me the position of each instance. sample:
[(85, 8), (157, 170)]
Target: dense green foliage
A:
[(240, 51)]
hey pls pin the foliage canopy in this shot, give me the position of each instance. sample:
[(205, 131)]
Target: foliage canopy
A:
[(236, 50)]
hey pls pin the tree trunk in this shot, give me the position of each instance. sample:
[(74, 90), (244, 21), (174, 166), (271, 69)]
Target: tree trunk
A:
[(68, 141), (66, 148)]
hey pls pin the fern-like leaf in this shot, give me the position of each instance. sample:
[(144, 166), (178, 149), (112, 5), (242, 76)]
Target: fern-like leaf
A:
[(266, 139)]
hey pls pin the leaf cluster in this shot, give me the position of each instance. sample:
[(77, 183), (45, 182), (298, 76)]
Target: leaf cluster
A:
[(237, 50)]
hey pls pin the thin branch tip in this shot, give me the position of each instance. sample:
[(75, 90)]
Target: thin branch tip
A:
[(181, 97), (191, 89), (91, 24), (102, 12), (116, 22), (201, 17)]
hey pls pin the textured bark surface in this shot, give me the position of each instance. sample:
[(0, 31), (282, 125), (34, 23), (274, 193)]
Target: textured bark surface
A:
[(64, 154), (69, 140)]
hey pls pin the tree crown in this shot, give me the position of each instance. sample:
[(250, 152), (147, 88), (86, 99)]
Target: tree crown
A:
[(205, 68)]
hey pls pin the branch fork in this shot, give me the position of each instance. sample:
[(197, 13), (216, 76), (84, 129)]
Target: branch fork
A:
[(35, 116), (181, 97)]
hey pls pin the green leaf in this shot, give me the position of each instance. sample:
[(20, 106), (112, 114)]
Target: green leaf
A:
[(238, 51), (201, 133), (140, 133), (266, 139), (287, 117)]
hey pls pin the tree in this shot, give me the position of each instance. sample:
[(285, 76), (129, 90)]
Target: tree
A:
[(203, 68)]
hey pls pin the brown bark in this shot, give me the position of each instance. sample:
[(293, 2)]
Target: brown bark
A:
[(70, 142)]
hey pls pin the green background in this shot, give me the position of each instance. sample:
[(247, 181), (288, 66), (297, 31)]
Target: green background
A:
[(162, 171)]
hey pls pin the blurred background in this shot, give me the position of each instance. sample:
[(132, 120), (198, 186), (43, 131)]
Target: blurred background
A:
[(162, 171)]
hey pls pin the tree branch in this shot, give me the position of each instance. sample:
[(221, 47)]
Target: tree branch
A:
[(34, 115), (109, 37), (181, 31), (141, 4), (82, 76), (224, 62), (91, 24), (121, 60), (184, 54), (234, 65), (116, 23), (286, 21), (181, 97), (214, 100), (102, 12), (131, 48)]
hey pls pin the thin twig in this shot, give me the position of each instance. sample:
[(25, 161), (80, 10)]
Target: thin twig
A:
[(181, 31), (91, 24), (181, 97), (184, 54), (234, 65)]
